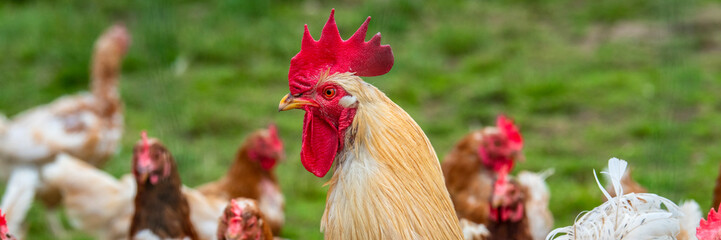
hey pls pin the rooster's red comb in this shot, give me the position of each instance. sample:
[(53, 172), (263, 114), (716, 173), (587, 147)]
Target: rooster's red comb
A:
[(710, 229), (511, 131), (333, 54)]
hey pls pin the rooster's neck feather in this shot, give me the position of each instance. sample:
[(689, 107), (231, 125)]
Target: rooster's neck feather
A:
[(387, 183)]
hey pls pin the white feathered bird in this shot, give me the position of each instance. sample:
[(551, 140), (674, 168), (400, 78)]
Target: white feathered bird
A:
[(631, 216), (85, 125)]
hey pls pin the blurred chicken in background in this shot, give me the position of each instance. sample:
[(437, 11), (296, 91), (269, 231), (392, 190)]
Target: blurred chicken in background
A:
[(243, 219), (87, 125), (252, 175)]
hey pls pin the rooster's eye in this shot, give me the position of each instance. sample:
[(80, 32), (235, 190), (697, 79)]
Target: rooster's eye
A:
[(329, 92)]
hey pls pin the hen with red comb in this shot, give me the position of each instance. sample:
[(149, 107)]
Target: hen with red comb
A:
[(710, 229), (478, 180), (242, 219), (386, 173), (161, 209), (252, 175)]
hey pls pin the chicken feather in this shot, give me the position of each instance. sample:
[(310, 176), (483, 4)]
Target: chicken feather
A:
[(631, 216)]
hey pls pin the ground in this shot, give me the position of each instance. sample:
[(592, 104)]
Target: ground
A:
[(585, 81)]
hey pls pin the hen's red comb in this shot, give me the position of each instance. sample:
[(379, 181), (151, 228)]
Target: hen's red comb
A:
[(3, 222), (710, 229), (146, 145), (333, 54), (235, 208), (511, 131), (273, 131)]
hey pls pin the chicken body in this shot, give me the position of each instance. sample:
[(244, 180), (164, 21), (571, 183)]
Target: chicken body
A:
[(252, 176), (473, 171), (691, 211), (161, 209), (243, 219), (87, 125), (468, 181), (95, 202), (630, 216)]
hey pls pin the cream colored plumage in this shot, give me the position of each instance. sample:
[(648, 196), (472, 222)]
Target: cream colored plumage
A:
[(630, 216), (95, 202), (86, 125), (388, 182)]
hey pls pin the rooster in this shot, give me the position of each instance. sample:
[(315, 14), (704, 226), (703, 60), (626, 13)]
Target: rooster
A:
[(87, 125), (387, 182), (161, 209), (710, 228), (4, 232), (243, 219), (630, 216), (473, 164), (252, 176)]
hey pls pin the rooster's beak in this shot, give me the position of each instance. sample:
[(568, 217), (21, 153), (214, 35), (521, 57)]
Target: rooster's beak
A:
[(289, 102)]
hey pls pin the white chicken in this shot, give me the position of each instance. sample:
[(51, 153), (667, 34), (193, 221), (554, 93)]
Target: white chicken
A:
[(86, 125), (632, 216)]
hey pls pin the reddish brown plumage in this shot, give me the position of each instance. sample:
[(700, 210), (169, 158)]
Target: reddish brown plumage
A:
[(472, 170), (247, 178), (461, 164), (159, 204)]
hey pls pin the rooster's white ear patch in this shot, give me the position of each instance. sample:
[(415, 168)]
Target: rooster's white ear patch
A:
[(349, 102)]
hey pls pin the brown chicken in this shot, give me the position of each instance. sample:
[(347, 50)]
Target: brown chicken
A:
[(243, 219), (161, 209), (471, 167), (252, 176), (508, 220), (387, 182), (85, 125), (477, 177)]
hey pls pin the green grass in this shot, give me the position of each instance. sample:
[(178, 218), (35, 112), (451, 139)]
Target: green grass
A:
[(581, 91)]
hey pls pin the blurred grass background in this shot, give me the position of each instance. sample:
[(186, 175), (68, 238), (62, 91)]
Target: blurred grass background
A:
[(586, 80)]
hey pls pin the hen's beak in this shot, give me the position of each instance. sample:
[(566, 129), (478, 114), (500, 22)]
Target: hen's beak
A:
[(289, 102)]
